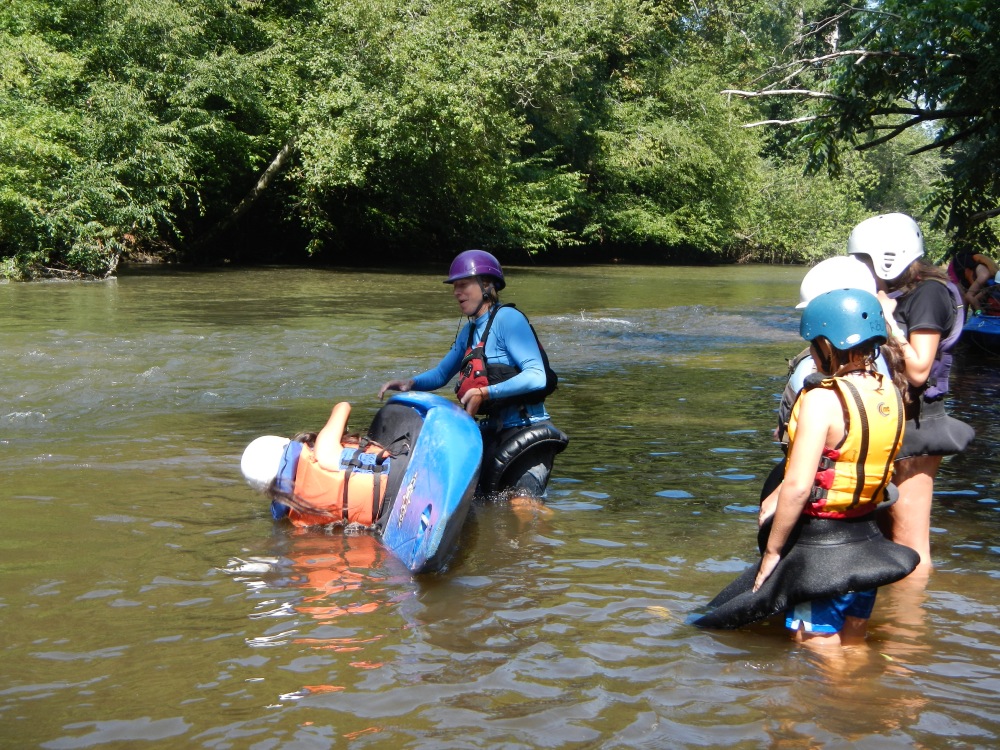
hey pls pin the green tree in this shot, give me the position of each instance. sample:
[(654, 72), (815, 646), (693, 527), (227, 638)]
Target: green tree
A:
[(408, 135), (202, 129), (119, 121), (927, 65), (530, 125)]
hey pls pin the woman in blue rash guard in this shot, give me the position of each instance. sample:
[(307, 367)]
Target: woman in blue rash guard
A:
[(503, 380)]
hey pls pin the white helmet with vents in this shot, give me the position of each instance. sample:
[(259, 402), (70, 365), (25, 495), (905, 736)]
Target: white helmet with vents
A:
[(840, 272), (262, 460), (892, 241)]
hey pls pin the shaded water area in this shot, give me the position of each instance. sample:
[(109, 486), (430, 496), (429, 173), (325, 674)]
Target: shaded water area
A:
[(148, 600)]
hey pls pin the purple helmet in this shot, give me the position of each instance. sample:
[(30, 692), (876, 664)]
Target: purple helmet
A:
[(475, 263)]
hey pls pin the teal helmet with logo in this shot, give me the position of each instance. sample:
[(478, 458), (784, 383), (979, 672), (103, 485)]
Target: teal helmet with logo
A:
[(845, 317)]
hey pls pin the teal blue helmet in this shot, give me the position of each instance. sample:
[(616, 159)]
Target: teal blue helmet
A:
[(845, 317)]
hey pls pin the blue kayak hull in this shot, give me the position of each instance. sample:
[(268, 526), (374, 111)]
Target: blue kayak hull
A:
[(431, 498), (984, 329)]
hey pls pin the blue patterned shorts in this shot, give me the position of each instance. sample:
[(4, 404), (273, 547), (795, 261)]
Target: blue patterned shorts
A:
[(829, 615)]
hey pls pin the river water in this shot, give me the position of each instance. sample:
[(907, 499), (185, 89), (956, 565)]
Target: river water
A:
[(147, 599)]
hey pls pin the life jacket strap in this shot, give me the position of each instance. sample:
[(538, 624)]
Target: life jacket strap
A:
[(376, 468), (377, 497), (348, 471)]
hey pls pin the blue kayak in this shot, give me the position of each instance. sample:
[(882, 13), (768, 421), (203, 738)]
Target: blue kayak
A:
[(437, 451), (983, 330), (409, 480)]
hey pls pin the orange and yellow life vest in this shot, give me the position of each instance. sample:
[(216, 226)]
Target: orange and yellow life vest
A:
[(851, 479), (339, 480)]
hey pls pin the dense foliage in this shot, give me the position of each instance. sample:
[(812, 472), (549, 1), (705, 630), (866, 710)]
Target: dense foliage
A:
[(923, 70), (244, 130)]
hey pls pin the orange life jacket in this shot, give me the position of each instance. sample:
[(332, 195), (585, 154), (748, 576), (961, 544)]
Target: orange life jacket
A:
[(335, 482)]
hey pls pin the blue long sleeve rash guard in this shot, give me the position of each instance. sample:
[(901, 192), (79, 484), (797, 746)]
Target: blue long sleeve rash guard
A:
[(511, 342)]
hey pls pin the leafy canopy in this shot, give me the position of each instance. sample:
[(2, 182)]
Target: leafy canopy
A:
[(208, 130), (896, 66)]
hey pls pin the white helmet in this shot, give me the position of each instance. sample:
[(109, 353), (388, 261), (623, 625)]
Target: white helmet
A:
[(262, 459), (892, 241), (841, 272)]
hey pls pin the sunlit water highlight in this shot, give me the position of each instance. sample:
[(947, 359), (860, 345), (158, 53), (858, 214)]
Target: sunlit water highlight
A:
[(147, 599)]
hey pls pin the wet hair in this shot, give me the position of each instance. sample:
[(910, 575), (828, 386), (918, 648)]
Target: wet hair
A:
[(892, 352), (308, 438), (862, 357)]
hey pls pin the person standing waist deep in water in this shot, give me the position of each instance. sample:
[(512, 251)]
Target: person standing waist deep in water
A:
[(925, 317), (822, 555), (503, 380)]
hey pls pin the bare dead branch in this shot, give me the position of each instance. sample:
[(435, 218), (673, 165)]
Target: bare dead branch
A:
[(276, 166), (794, 121), (805, 62), (862, 53), (787, 79), (804, 93)]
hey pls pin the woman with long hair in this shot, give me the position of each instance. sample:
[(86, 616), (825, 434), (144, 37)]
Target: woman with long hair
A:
[(925, 316), (823, 556)]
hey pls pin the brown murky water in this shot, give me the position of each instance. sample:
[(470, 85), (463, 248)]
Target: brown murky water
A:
[(146, 598)]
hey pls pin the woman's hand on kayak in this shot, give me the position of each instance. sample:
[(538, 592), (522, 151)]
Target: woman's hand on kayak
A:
[(396, 385)]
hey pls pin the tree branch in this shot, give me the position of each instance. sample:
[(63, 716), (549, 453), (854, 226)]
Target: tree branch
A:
[(929, 114), (959, 136), (922, 115), (896, 130), (796, 121), (276, 165), (979, 218), (804, 62), (805, 93), (863, 53)]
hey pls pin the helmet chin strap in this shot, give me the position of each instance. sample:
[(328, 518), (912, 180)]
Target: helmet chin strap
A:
[(487, 299)]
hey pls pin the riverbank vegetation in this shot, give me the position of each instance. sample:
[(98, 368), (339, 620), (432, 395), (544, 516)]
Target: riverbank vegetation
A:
[(344, 131)]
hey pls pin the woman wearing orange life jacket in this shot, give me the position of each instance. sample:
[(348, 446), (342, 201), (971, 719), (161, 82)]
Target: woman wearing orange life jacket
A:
[(320, 480), (822, 556), (503, 380)]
